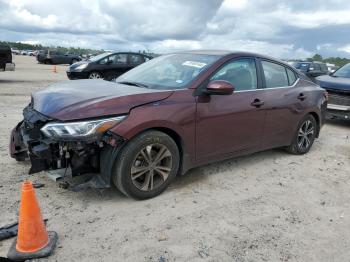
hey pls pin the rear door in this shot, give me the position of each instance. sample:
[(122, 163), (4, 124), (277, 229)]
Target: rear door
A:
[(135, 60), (117, 65), (284, 101), (226, 124)]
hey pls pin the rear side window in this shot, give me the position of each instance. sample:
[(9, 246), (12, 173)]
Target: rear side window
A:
[(324, 67), (275, 75), (291, 76), (136, 59), (316, 67)]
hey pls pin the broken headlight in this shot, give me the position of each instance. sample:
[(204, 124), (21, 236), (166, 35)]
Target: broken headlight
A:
[(83, 129)]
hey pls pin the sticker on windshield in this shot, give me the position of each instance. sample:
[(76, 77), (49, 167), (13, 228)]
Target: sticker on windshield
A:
[(194, 64)]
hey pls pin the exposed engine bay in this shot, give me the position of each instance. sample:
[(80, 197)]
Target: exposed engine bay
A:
[(81, 156)]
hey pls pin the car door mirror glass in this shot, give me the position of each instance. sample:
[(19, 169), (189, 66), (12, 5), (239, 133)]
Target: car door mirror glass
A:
[(220, 87)]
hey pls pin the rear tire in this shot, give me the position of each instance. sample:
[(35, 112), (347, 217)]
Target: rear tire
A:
[(304, 137), (146, 165), (47, 62)]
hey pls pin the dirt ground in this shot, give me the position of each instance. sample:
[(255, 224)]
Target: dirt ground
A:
[(270, 206)]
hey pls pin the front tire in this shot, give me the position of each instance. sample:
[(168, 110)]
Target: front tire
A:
[(304, 137), (95, 75), (146, 165)]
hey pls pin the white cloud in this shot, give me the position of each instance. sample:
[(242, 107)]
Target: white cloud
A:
[(345, 48), (281, 29)]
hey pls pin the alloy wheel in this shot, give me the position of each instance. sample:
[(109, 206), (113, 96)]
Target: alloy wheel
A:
[(94, 75), (151, 167), (305, 135)]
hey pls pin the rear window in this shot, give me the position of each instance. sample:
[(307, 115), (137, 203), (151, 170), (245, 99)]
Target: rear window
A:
[(302, 66)]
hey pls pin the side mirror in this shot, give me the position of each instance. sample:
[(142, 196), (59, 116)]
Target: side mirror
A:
[(109, 62), (220, 87)]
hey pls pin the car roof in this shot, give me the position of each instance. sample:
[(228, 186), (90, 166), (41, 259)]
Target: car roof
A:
[(235, 53), (309, 62), (131, 53)]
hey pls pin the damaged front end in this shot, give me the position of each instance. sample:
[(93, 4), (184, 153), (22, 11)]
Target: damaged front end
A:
[(83, 146)]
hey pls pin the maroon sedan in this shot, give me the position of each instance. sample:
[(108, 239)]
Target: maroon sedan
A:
[(168, 115)]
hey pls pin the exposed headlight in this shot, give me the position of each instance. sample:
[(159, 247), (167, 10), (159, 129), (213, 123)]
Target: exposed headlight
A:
[(81, 67), (83, 129)]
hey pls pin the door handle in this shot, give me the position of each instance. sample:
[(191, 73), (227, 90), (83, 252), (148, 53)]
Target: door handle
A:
[(301, 96), (257, 103)]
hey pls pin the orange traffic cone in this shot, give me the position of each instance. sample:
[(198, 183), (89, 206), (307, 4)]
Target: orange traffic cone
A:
[(54, 70), (33, 241)]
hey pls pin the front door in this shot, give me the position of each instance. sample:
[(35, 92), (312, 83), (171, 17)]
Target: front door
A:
[(227, 124)]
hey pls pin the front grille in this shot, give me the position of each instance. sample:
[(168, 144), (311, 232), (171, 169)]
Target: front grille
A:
[(339, 98)]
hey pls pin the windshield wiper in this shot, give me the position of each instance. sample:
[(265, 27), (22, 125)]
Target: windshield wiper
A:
[(129, 83)]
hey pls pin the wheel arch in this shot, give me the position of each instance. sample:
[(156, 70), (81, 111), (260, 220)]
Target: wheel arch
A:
[(318, 123), (175, 136)]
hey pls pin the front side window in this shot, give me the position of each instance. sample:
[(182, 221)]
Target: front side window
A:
[(275, 75), (240, 73), (118, 59)]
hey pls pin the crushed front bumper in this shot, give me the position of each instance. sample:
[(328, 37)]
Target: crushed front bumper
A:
[(81, 157)]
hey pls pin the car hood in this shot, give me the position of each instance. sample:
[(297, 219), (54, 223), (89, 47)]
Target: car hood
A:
[(335, 83), (81, 99)]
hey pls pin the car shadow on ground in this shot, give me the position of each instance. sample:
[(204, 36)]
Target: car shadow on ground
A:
[(194, 178), (10, 81)]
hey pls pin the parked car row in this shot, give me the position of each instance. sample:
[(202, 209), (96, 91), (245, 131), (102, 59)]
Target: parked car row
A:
[(337, 85), (333, 79), (24, 52)]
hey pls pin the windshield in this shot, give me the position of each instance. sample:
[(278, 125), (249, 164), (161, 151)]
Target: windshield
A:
[(172, 71), (98, 57), (343, 71)]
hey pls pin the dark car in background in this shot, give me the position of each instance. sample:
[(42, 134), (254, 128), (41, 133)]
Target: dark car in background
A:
[(56, 57), (168, 115), (311, 69), (107, 65), (6, 63), (337, 85)]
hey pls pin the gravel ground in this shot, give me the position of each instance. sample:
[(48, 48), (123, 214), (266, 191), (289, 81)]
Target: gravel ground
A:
[(269, 206)]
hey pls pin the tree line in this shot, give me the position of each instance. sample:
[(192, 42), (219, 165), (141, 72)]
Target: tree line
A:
[(338, 61)]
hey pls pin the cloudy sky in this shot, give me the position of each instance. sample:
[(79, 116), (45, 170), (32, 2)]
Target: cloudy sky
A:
[(285, 29)]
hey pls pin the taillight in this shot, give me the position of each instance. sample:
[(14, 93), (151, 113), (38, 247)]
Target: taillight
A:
[(326, 95)]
